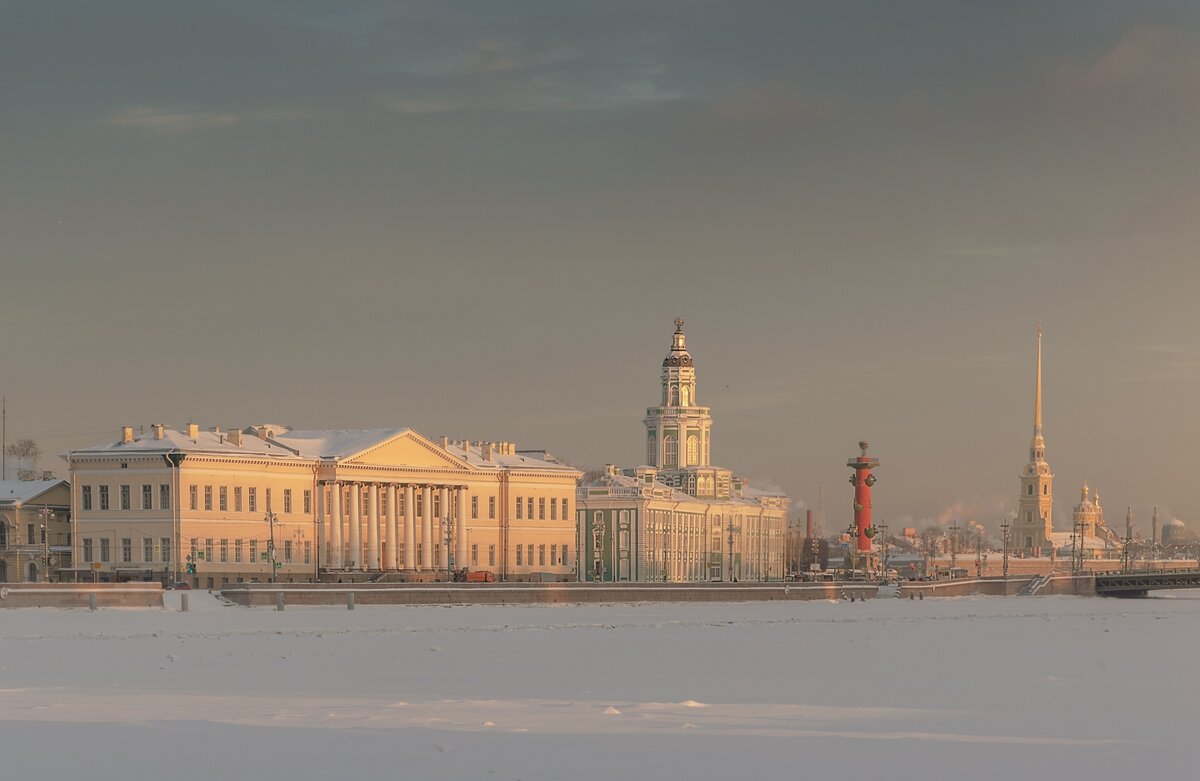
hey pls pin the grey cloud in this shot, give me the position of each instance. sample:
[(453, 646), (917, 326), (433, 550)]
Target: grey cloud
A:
[(172, 120)]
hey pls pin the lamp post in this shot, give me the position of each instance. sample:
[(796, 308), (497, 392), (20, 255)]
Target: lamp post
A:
[(881, 529), (730, 530), (447, 541), (14, 542), (953, 529), (979, 552), (666, 543), (271, 520), (46, 515), (666, 560), (1004, 527), (598, 547)]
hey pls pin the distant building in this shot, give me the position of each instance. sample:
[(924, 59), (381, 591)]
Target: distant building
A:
[(35, 530), (679, 517), (329, 504), (1032, 528), (1087, 522)]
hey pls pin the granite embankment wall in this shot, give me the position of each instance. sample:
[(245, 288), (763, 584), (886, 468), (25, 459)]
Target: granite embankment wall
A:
[(1057, 583), (993, 566), (264, 594), (79, 594)]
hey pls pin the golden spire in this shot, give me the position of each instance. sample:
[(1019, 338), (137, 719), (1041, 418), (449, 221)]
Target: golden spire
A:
[(1037, 399)]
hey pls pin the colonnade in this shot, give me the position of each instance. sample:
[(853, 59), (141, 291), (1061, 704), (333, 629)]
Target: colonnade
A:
[(342, 527)]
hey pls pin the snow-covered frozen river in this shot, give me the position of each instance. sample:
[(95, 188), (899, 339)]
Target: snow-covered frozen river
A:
[(976, 688)]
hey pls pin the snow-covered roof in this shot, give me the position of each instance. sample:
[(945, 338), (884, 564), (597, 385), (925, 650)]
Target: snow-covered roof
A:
[(1062, 540), (752, 492), (336, 443), (24, 491), (527, 459), (174, 441)]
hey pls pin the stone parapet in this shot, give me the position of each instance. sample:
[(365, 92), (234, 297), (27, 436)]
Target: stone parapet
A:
[(79, 595), (264, 594)]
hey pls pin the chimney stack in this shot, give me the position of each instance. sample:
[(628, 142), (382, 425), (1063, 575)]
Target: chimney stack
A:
[(158, 430), (235, 437), (126, 434), (445, 442), (485, 450), (193, 430)]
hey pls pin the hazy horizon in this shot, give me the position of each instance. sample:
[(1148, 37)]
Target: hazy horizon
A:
[(480, 222)]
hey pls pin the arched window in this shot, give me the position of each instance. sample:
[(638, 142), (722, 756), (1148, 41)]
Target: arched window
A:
[(652, 449), (1045, 488), (674, 395), (670, 451), (685, 396), (693, 451)]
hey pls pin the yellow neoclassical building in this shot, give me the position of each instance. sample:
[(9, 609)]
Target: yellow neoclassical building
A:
[(217, 506)]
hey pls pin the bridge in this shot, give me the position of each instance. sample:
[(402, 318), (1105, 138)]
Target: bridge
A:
[(1138, 584)]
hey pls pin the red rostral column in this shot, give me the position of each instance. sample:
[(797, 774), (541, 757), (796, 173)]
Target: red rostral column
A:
[(862, 482)]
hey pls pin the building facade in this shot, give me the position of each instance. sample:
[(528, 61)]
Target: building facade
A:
[(35, 530), (679, 517), (269, 502), (1032, 529)]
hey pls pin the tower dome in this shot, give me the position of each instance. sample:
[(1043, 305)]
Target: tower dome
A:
[(677, 431), (678, 356)]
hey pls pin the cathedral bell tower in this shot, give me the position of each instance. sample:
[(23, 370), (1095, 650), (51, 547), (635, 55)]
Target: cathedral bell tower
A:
[(677, 431), (1035, 510)]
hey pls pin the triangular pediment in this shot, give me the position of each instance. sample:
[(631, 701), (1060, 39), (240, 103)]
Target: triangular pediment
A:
[(408, 449)]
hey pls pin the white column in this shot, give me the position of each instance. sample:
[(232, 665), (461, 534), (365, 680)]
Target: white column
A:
[(336, 548), (354, 557), (410, 528), (427, 527), (319, 498), (439, 530), (393, 536), (373, 526), (460, 528)]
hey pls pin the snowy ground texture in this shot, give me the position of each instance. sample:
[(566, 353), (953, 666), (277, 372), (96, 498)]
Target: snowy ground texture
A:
[(974, 687)]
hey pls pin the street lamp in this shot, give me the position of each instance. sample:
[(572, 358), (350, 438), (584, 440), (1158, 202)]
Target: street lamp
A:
[(953, 529), (1004, 527), (47, 516), (730, 530), (598, 547), (14, 542), (882, 529), (666, 543), (271, 520), (447, 541)]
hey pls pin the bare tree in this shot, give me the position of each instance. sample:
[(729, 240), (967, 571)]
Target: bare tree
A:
[(25, 450)]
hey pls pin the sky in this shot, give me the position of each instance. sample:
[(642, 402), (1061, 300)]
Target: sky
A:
[(480, 219)]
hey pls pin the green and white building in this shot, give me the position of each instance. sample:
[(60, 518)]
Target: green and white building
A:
[(679, 518)]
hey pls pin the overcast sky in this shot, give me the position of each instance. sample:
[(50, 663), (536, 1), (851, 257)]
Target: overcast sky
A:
[(479, 219)]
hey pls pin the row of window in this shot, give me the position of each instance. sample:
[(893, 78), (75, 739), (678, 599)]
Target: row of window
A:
[(224, 552), (528, 505), (35, 534), (150, 551), (251, 499), (259, 551), (125, 494), (555, 559), (525, 506), (220, 498)]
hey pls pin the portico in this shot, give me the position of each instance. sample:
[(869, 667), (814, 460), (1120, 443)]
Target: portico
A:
[(395, 525)]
